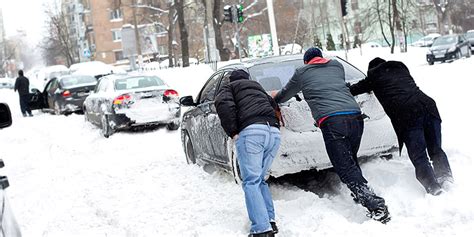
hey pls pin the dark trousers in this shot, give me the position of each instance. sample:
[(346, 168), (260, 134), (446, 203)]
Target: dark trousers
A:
[(425, 134), (24, 106), (342, 135)]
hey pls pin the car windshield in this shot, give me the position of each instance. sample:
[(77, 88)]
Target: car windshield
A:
[(470, 34), (445, 40), (274, 76), (130, 83), (76, 81)]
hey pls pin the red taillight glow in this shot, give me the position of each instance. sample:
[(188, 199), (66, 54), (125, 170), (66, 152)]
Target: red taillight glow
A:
[(66, 93), (170, 93), (121, 99)]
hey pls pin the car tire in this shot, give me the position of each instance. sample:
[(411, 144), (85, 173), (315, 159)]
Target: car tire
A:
[(189, 149), (430, 62), (232, 151), (459, 54), (173, 126), (468, 53), (106, 130), (56, 109)]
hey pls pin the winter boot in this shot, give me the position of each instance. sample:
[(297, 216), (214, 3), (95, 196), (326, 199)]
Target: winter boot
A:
[(446, 182), (434, 189), (376, 208), (264, 234), (274, 227)]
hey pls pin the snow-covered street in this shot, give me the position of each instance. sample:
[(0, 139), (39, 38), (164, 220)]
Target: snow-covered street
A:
[(68, 180)]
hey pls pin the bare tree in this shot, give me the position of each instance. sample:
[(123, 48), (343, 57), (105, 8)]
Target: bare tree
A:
[(183, 33), (442, 9)]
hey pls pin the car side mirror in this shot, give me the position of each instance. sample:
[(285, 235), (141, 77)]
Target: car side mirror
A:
[(5, 116), (187, 101)]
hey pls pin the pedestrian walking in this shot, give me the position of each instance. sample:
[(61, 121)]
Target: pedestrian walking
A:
[(22, 85), (247, 114), (415, 119), (338, 115)]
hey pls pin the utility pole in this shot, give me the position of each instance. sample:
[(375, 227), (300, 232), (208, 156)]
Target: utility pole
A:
[(137, 35), (271, 18)]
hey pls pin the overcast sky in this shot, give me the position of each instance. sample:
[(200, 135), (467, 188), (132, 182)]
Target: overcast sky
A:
[(24, 14)]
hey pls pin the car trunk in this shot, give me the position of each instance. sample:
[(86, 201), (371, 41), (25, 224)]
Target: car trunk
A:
[(148, 106), (80, 91)]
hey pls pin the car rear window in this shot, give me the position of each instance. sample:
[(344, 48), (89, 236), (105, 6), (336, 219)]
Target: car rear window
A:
[(274, 76), (77, 81), (137, 83)]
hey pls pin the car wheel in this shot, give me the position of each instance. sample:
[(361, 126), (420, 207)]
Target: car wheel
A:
[(468, 53), (189, 149), (106, 129), (86, 118), (430, 62), (57, 109), (232, 151), (459, 55), (173, 126)]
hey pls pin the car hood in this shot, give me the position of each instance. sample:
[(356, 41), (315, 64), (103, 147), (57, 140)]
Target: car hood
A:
[(441, 47)]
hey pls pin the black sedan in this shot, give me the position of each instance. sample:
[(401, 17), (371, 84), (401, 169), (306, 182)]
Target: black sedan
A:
[(448, 47), (63, 95), (302, 146), (122, 102)]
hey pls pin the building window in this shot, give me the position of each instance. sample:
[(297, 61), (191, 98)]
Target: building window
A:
[(116, 35), (355, 5), (116, 14), (119, 55)]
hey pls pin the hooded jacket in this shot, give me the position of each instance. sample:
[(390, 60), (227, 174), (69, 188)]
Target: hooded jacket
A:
[(243, 102), (398, 94), (322, 82)]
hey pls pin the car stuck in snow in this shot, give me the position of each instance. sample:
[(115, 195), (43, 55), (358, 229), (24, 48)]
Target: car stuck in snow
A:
[(121, 102), (302, 146)]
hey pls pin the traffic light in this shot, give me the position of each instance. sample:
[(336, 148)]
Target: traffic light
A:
[(240, 13), (344, 7), (228, 13)]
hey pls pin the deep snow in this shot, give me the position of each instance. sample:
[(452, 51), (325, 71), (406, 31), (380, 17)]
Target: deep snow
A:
[(67, 180)]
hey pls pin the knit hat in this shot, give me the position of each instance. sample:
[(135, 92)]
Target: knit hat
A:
[(375, 62), (239, 74), (312, 53)]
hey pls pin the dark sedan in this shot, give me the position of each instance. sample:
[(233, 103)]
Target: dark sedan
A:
[(448, 47), (122, 102), (63, 95), (302, 146)]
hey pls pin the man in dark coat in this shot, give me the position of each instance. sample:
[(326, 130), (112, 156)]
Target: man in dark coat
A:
[(22, 85), (247, 114), (414, 117), (336, 112)]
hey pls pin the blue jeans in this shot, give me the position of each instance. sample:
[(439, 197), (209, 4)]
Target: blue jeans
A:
[(425, 134), (257, 146)]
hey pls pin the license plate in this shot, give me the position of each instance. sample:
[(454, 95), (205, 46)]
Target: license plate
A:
[(83, 93), (439, 55)]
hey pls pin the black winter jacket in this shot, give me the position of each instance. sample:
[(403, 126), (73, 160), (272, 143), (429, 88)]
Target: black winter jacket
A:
[(398, 94), (22, 85), (244, 102)]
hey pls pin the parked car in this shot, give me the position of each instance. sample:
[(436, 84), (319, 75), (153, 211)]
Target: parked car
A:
[(470, 37), (302, 146), (125, 101), (7, 83), (96, 69), (448, 47), (63, 95), (426, 41)]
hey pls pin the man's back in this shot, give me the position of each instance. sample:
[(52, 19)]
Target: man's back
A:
[(22, 85), (324, 88)]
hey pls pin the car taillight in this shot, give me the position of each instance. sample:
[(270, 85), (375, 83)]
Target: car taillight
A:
[(66, 93), (122, 99), (170, 93)]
